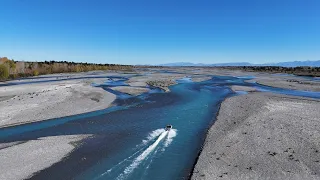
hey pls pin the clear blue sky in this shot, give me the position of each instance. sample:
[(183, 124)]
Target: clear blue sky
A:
[(154, 32)]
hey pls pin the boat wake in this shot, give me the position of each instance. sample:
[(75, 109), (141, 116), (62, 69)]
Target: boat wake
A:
[(156, 140), (161, 136), (153, 135), (144, 154), (171, 134)]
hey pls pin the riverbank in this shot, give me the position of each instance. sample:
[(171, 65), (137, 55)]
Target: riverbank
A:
[(288, 82), (59, 95), (20, 160), (26, 103), (262, 136)]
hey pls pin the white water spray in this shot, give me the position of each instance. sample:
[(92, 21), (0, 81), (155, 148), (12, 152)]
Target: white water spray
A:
[(153, 135), (171, 134), (143, 155)]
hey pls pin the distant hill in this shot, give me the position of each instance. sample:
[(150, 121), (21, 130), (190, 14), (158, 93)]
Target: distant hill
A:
[(283, 64), (232, 64), (180, 64), (201, 64)]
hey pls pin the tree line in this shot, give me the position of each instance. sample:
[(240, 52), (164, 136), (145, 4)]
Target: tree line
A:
[(11, 69), (300, 70)]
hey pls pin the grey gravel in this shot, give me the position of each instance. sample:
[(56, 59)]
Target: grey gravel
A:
[(263, 136), (41, 101), (288, 82), (22, 160), (243, 88)]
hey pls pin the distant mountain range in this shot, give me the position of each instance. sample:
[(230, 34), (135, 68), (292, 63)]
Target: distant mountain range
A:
[(283, 64)]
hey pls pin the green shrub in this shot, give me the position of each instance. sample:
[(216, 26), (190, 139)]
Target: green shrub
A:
[(4, 72)]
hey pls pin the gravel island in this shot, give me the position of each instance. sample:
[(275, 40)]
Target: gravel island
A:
[(263, 136)]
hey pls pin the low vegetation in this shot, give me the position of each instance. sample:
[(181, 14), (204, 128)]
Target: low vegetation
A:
[(10, 69), (4, 72), (300, 71), (163, 84)]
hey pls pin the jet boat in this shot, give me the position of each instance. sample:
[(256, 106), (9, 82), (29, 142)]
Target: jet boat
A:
[(168, 127)]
